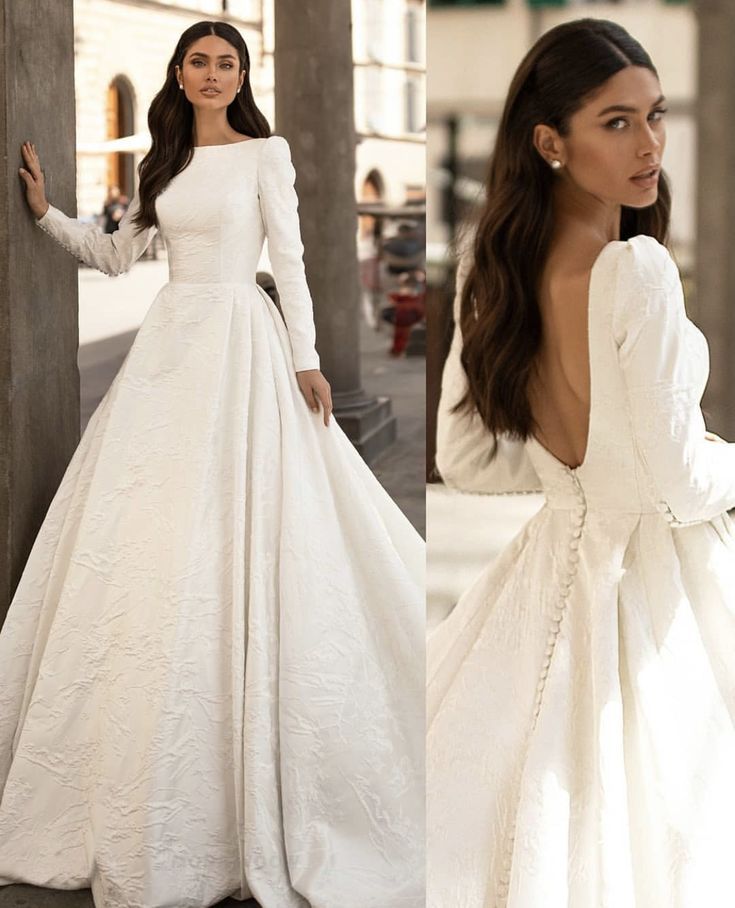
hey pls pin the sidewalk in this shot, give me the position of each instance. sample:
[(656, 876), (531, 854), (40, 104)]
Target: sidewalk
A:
[(401, 467)]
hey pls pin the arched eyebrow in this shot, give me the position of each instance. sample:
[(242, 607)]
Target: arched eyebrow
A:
[(198, 53), (617, 107)]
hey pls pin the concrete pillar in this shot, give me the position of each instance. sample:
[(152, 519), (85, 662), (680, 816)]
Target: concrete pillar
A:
[(715, 249), (314, 102), (39, 379)]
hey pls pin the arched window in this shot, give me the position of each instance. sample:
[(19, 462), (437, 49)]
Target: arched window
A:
[(372, 190), (120, 122)]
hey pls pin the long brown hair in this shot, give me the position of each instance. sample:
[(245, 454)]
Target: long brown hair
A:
[(171, 120), (499, 313)]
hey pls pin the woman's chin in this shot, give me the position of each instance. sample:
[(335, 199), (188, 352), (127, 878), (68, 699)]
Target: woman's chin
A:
[(643, 200)]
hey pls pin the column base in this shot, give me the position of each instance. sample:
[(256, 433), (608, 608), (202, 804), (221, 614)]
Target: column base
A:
[(368, 422), (417, 341)]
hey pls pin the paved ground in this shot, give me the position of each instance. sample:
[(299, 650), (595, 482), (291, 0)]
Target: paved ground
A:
[(401, 468)]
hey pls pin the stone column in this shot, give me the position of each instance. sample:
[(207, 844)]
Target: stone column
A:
[(715, 261), (314, 102), (39, 380)]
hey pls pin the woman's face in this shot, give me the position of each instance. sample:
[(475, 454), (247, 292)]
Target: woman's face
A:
[(211, 63), (617, 135)]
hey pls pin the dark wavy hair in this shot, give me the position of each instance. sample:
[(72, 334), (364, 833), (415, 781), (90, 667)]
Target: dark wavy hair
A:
[(171, 120), (499, 313)]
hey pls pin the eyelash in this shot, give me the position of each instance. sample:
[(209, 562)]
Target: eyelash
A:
[(659, 110), (194, 63)]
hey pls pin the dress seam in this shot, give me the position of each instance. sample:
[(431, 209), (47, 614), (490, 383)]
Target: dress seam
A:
[(558, 614)]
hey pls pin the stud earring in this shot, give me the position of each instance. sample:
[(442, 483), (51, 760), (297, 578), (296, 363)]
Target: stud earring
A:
[(180, 85), (555, 164)]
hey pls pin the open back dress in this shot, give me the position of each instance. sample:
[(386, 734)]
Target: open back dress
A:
[(581, 693)]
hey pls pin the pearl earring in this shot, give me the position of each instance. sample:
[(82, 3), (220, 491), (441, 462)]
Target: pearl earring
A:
[(555, 165)]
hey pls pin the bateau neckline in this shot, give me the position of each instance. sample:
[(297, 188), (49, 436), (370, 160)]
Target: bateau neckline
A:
[(226, 144)]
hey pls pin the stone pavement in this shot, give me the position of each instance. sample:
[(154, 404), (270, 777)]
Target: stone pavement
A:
[(401, 467)]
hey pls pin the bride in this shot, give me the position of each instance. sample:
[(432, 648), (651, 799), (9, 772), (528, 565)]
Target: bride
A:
[(211, 672), (581, 694)]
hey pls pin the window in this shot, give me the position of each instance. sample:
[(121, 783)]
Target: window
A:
[(374, 35), (414, 120), (413, 33)]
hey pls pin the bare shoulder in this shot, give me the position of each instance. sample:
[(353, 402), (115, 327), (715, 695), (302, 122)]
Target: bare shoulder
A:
[(566, 275), (574, 258), (563, 301)]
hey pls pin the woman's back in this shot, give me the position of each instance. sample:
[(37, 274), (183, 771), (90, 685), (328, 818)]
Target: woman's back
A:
[(559, 390)]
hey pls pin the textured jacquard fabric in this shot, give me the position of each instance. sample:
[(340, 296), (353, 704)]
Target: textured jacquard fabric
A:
[(581, 693), (212, 670)]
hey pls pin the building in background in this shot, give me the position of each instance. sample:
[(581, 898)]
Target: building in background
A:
[(122, 48), (467, 91), (389, 43)]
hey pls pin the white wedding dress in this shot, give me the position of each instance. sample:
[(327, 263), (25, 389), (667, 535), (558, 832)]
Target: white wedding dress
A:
[(581, 693), (212, 670)]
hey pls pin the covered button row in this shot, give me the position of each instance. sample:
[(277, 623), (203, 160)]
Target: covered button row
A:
[(69, 249)]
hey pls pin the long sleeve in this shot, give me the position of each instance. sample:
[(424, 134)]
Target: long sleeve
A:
[(279, 208), (463, 442), (111, 253), (692, 479)]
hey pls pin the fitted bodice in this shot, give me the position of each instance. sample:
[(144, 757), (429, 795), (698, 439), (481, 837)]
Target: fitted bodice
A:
[(211, 235), (214, 216), (614, 475)]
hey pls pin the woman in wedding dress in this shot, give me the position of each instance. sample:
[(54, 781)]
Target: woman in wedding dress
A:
[(581, 693), (211, 673)]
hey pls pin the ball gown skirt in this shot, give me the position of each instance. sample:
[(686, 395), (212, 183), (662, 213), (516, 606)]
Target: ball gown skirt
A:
[(581, 693)]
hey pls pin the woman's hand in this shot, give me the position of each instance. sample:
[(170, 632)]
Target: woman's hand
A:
[(316, 390), (32, 176)]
